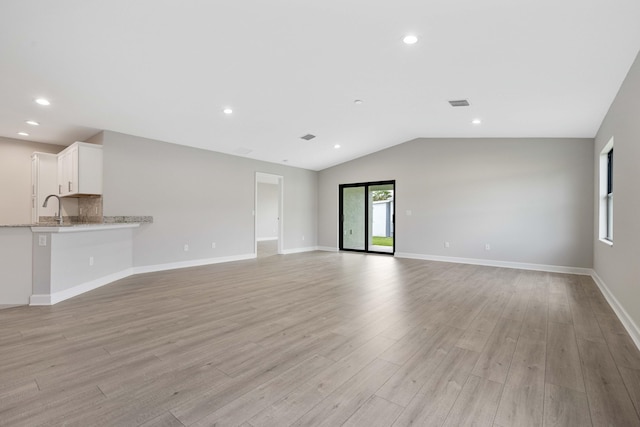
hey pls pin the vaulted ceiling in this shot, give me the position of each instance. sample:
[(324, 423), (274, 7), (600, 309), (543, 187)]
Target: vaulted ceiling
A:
[(166, 70)]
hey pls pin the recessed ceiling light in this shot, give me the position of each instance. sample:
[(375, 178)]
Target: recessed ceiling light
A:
[(23, 134), (227, 110), (476, 121), (410, 39), (42, 101), (358, 101), (32, 123), (336, 146)]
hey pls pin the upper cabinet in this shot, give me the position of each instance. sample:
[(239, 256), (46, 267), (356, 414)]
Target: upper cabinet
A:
[(43, 182), (80, 170)]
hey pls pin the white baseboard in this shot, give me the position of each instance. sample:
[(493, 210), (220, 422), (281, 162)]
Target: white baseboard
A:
[(266, 239), (327, 249), (299, 250), (40, 299), (56, 297), (495, 263), (192, 263), (628, 323)]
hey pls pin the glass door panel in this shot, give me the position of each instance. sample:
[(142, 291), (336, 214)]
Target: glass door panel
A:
[(381, 218), (353, 218)]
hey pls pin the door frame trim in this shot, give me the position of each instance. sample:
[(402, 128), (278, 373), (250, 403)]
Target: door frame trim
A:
[(366, 186), (280, 179)]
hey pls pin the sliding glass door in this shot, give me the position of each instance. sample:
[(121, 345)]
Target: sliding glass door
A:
[(367, 217), (354, 216)]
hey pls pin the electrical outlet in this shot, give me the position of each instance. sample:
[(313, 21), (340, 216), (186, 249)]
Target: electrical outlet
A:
[(447, 245), (90, 261), (42, 240), (186, 248), (487, 247), (213, 245)]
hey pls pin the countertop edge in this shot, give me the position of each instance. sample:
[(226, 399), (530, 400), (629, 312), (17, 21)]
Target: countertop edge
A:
[(76, 228)]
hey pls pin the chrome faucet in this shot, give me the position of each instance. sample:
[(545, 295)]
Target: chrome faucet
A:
[(59, 215)]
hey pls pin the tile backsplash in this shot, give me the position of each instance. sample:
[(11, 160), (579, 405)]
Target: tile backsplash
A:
[(90, 210)]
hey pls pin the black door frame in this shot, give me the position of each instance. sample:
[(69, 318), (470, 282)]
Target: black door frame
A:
[(366, 186)]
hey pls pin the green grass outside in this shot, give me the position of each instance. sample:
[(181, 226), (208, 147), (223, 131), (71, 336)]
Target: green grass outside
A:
[(382, 241)]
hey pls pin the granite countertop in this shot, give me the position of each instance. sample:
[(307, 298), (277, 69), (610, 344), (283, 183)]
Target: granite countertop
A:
[(106, 221)]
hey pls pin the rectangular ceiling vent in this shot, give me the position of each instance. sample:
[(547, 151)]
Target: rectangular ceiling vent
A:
[(308, 137), (459, 103)]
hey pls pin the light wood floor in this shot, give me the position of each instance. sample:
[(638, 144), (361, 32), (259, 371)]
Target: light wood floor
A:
[(326, 339)]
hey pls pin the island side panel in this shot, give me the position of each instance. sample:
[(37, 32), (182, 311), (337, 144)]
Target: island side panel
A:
[(82, 261), (15, 265), (41, 268)]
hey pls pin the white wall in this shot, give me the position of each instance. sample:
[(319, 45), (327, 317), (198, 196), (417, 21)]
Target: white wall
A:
[(618, 266), (15, 178), (530, 199), (198, 197), (15, 265), (267, 211)]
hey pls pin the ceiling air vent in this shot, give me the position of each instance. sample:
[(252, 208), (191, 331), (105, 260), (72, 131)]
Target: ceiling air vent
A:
[(308, 137), (459, 103)]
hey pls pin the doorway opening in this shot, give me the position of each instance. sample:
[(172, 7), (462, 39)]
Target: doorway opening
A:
[(367, 217), (268, 214)]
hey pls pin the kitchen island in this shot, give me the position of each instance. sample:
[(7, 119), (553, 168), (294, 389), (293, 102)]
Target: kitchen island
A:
[(43, 264)]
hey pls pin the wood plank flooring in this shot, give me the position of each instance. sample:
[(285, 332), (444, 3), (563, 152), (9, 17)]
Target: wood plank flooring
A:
[(323, 339)]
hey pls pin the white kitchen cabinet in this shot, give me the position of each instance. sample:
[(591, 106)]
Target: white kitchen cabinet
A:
[(80, 170), (43, 183)]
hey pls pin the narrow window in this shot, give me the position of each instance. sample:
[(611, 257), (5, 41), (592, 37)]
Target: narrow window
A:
[(606, 194), (609, 213)]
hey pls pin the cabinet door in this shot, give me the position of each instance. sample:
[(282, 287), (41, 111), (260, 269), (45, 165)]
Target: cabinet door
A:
[(68, 172), (61, 173), (34, 175), (34, 209), (44, 174), (73, 180)]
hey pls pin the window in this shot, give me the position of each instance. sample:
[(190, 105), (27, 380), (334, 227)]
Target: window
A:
[(606, 193), (609, 214)]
